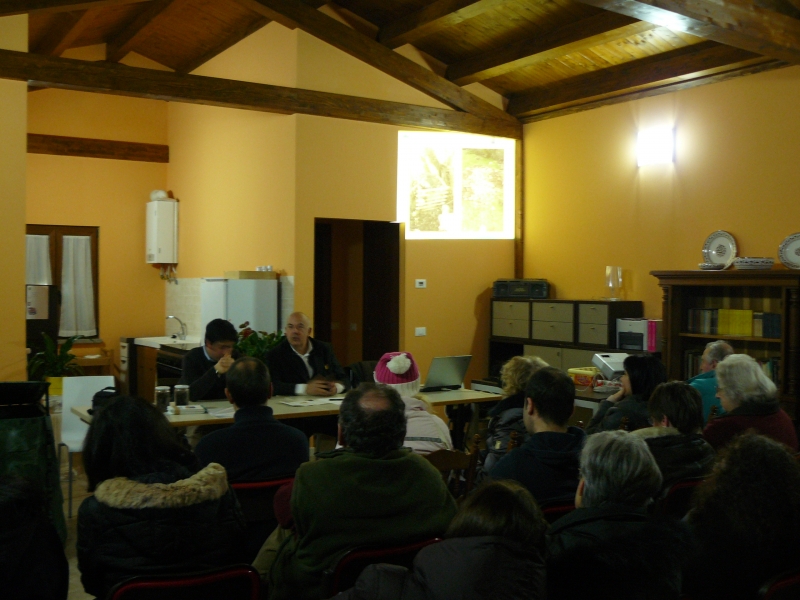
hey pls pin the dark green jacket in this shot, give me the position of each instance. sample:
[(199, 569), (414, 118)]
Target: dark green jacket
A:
[(351, 499)]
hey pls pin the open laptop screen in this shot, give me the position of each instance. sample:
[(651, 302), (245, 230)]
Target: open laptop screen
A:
[(446, 373)]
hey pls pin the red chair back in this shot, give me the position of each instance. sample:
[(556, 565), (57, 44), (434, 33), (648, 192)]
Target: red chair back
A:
[(556, 511), (345, 572), (785, 586), (237, 582), (256, 500), (677, 499)]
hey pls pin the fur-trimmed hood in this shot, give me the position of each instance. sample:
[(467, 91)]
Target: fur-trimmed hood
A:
[(211, 483), (650, 432)]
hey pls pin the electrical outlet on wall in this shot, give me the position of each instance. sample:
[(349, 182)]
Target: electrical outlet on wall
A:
[(420, 283)]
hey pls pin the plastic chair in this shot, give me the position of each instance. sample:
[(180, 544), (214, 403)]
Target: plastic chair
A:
[(351, 563), (237, 582), (78, 391), (785, 586), (676, 499), (256, 500), (458, 468)]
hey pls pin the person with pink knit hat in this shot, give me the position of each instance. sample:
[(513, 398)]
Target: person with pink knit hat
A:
[(425, 432)]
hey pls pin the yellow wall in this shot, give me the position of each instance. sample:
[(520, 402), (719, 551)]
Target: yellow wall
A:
[(109, 194), (13, 96), (587, 205), (234, 170)]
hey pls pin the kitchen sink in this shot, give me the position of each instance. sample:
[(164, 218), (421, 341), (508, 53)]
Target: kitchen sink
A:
[(157, 342)]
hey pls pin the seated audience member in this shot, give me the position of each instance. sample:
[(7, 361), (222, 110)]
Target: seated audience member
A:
[(256, 447), (301, 365), (675, 439), (371, 492), (152, 512), (547, 463), (506, 415), (609, 547), (706, 381), (204, 368), (33, 565), (750, 401), (745, 520), (642, 375), (425, 432), (492, 549)]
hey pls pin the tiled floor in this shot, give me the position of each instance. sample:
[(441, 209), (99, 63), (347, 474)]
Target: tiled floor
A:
[(79, 493)]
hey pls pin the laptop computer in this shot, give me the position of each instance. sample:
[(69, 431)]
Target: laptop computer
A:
[(446, 373)]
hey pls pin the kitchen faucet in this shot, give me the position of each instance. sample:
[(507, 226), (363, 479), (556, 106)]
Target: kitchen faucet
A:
[(182, 334)]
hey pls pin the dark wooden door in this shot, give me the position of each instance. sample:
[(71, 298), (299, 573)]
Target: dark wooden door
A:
[(323, 240), (381, 313)]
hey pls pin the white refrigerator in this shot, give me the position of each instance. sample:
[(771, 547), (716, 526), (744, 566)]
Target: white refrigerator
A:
[(240, 300)]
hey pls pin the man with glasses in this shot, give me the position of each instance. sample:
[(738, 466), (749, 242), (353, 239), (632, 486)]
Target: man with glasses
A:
[(204, 368)]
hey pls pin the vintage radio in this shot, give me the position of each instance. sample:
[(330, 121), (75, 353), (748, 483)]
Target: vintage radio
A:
[(521, 288)]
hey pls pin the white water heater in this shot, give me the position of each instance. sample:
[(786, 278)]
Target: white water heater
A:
[(162, 232)]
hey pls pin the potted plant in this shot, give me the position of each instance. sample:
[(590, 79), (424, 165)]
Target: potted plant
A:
[(256, 343), (53, 363)]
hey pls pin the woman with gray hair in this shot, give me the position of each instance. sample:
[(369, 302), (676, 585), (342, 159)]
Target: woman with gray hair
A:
[(617, 544), (750, 401)]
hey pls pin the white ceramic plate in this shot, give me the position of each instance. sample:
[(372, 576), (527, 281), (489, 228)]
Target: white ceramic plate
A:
[(720, 249), (789, 251), (710, 267), (753, 263)]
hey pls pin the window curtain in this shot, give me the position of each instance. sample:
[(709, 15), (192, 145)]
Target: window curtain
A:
[(77, 293), (37, 260)]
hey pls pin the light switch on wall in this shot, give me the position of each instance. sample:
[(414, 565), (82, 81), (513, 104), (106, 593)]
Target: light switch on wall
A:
[(420, 331)]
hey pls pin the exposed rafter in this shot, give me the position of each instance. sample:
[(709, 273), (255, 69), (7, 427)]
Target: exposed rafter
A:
[(138, 29), (66, 32), (586, 33), (20, 7), (700, 60), (375, 54), (235, 37), (122, 80), (94, 148), (432, 18), (739, 23)]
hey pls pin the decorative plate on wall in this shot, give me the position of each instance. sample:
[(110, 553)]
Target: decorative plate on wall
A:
[(720, 249), (789, 251)]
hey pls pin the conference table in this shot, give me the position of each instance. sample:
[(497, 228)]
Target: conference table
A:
[(285, 407)]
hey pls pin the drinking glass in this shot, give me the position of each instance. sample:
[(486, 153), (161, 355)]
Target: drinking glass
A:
[(614, 281)]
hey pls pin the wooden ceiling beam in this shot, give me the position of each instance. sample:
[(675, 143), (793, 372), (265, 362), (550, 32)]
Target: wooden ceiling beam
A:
[(432, 18), (94, 148), (739, 23), (699, 60), (376, 55), (108, 78), (65, 33), (589, 32), (125, 41), (20, 7)]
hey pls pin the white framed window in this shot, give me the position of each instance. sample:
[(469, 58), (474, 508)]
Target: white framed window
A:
[(455, 185)]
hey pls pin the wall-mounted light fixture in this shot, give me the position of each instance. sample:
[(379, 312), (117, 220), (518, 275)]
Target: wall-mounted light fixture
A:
[(655, 145)]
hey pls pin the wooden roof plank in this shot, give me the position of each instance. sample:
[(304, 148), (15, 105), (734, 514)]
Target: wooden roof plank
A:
[(683, 62), (237, 36), (136, 30), (574, 37), (376, 55), (738, 23), (20, 7), (71, 27), (110, 78), (432, 18)]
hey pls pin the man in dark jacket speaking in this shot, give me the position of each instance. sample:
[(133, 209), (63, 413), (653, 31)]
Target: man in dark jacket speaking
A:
[(301, 365)]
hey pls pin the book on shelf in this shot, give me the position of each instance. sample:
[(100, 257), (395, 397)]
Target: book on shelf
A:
[(735, 322)]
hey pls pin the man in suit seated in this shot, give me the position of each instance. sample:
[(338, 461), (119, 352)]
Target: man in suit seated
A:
[(301, 365), (204, 368), (256, 447), (547, 463), (372, 492)]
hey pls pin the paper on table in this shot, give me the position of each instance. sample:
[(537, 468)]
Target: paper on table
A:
[(315, 402), (221, 412)]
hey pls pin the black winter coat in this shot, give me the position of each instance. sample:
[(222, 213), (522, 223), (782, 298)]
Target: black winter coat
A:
[(167, 522), (471, 568)]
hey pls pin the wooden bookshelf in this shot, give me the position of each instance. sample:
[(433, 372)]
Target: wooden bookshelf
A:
[(776, 290)]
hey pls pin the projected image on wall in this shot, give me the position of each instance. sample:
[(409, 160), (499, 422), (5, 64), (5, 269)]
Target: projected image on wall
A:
[(455, 186)]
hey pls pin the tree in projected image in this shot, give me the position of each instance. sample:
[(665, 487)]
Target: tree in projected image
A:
[(432, 189), (482, 189)]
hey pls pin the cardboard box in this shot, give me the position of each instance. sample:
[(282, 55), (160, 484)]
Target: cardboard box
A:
[(251, 275)]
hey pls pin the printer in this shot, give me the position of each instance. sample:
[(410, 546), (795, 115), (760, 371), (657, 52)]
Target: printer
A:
[(610, 364)]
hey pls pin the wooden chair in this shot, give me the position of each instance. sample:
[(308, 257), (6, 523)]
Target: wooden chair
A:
[(677, 499), (350, 564), (256, 500), (458, 468), (237, 582), (785, 586)]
